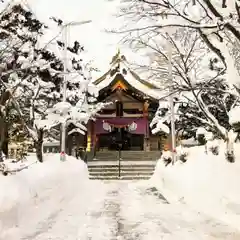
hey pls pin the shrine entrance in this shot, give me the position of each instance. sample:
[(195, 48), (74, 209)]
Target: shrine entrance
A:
[(120, 140)]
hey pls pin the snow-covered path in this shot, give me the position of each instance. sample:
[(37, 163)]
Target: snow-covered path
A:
[(118, 210)]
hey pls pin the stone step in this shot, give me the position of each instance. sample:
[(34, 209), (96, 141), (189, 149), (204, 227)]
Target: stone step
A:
[(133, 169), (102, 159), (127, 157), (133, 174), (127, 154), (133, 165), (135, 177), (103, 168), (139, 178), (103, 172), (115, 173), (128, 151), (150, 169), (107, 157), (155, 157), (126, 167), (104, 178), (122, 173), (139, 156), (121, 160), (106, 174), (97, 168), (141, 152), (110, 169), (122, 165)]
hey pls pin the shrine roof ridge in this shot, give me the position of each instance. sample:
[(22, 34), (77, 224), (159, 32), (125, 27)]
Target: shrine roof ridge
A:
[(120, 66)]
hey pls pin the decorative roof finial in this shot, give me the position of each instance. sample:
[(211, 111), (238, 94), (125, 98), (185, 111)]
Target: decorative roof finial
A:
[(118, 56)]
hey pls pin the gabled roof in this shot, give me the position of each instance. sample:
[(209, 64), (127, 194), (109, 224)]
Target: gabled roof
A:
[(120, 66)]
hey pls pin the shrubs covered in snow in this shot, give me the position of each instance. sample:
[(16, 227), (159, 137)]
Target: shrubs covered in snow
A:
[(213, 142), (230, 157), (212, 147), (214, 150), (183, 157), (181, 154), (234, 115), (166, 157)]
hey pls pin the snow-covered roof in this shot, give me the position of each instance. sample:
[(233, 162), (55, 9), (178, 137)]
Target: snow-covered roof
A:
[(120, 66)]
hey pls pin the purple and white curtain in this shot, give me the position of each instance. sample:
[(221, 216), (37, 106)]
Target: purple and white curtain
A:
[(134, 125)]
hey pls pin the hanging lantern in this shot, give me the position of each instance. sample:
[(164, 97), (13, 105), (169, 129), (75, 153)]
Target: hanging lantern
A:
[(132, 127), (107, 127)]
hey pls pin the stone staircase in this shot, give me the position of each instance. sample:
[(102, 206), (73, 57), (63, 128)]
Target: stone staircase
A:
[(133, 165)]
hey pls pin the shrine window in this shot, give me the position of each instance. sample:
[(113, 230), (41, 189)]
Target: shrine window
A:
[(133, 111), (107, 111)]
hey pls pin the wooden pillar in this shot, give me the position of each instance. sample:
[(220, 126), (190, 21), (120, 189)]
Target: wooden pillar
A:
[(89, 136), (146, 137), (94, 138)]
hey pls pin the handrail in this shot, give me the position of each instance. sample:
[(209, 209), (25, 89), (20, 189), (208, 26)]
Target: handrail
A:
[(119, 159)]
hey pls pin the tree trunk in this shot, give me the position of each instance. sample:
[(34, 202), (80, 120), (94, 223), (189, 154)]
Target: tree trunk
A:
[(5, 140), (230, 146), (3, 136), (4, 97), (38, 145), (230, 139)]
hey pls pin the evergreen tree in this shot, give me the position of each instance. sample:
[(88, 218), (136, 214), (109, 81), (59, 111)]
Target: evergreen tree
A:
[(32, 74)]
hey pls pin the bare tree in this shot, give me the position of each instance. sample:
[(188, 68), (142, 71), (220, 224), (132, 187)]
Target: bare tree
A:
[(200, 35), (213, 20)]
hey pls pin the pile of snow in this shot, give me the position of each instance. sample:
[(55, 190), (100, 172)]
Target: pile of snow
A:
[(189, 142), (43, 185), (206, 182), (234, 114)]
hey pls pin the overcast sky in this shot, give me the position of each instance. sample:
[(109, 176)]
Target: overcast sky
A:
[(100, 46)]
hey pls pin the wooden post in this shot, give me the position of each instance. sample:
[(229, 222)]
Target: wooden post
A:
[(146, 137), (89, 136), (168, 143), (94, 138)]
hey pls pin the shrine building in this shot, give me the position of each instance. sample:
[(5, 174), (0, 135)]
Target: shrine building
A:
[(123, 124)]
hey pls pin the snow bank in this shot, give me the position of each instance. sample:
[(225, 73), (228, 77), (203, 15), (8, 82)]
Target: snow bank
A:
[(42, 185), (208, 183), (234, 114)]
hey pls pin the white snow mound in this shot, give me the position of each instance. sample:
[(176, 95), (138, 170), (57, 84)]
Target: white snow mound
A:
[(47, 183), (206, 182)]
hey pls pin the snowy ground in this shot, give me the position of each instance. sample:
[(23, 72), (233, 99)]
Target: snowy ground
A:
[(55, 200), (118, 210)]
